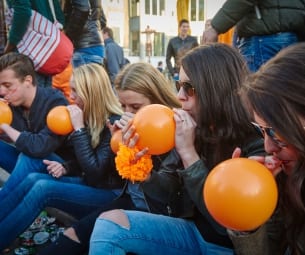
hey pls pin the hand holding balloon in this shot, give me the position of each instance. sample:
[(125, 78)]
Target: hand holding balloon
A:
[(76, 116), (271, 162)]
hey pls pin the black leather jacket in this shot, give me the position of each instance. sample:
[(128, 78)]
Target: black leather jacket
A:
[(96, 165), (84, 20)]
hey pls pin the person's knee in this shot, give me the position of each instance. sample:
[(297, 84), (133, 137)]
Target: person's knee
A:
[(117, 216), (70, 233)]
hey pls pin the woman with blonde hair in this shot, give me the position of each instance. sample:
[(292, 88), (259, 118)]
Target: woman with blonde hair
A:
[(77, 186), (137, 85)]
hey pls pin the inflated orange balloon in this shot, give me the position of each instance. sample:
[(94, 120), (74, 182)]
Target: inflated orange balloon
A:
[(115, 141), (58, 120), (6, 115), (156, 128), (241, 194)]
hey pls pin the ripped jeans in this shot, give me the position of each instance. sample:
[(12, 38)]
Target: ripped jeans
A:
[(151, 234)]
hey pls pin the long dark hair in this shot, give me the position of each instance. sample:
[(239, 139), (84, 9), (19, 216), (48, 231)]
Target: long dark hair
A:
[(277, 94), (217, 72)]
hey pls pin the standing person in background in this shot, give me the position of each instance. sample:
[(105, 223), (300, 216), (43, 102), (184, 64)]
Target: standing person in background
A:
[(20, 20), (84, 21), (160, 66), (263, 27), (178, 46), (114, 57)]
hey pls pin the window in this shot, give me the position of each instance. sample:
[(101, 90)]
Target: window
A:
[(197, 10), (155, 7), (162, 7), (147, 7), (159, 44), (135, 43), (134, 8), (201, 10)]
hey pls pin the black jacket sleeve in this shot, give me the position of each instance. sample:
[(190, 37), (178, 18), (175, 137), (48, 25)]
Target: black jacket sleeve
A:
[(77, 13)]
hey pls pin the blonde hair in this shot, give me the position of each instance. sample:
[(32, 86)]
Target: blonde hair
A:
[(147, 80), (93, 86)]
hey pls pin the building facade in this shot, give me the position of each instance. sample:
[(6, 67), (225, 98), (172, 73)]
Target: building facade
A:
[(144, 27)]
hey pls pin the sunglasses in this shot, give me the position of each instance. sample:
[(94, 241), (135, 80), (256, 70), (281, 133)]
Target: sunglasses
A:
[(269, 131), (187, 88)]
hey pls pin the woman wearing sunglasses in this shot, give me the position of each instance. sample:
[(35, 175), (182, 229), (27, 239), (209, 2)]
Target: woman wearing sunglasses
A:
[(276, 94), (210, 125)]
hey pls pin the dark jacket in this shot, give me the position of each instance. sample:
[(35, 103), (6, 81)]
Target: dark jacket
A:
[(276, 16), (114, 58), (95, 165), (84, 22), (176, 48), (22, 15), (181, 192), (35, 139)]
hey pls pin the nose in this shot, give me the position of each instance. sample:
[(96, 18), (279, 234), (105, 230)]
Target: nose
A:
[(128, 109), (270, 145), (72, 96), (181, 95), (2, 91)]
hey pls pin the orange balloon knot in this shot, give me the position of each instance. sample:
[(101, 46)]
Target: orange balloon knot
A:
[(130, 168)]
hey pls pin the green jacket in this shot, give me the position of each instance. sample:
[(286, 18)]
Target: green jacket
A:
[(22, 14), (268, 17)]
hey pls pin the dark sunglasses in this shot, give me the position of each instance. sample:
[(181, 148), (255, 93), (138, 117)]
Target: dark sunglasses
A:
[(270, 132), (187, 87)]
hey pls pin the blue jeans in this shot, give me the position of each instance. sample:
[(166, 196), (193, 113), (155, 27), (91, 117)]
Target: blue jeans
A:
[(257, 50), (151, 234), (9, 155), (23, 166), (81, 58), (37, 191)]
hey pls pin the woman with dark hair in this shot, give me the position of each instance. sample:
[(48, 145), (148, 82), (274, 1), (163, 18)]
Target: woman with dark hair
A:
[(276, 95), (210, 125)]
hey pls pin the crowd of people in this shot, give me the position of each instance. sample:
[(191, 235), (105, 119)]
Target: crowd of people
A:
[(222, 105)]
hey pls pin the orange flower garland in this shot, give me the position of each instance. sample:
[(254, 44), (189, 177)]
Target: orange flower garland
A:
[(130, 169)]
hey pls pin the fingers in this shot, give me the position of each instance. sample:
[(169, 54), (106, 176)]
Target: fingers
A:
[(141, 154), (236, 153), (55, 168), (125, 119)]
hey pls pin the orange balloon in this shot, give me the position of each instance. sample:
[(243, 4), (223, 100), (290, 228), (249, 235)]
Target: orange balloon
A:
[(155, 125), (241, 194), (6, 115), (116, 139), (58, 120)]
